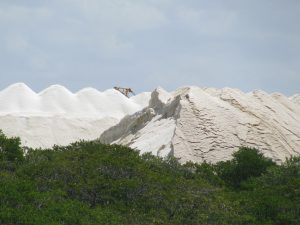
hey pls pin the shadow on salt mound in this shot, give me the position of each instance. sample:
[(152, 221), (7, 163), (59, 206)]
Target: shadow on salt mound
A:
[(159, 97), (278, 95), (295, 99)]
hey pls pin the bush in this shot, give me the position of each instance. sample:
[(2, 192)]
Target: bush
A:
[(90, 183), (274, 197), (90, 178), (10, 149), (246, 163)]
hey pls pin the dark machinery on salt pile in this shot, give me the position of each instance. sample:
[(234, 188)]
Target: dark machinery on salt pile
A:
[(125, 91)]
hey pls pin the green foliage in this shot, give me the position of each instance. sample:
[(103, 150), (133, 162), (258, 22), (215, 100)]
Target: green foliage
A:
[(10, 149), (90, 183), (11, 153), (275, 196), (246, 163)]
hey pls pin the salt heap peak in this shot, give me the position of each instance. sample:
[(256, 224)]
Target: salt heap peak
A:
[(16, 98), (296, 99), (190, 123), (58, 116), (88, 91), (198, 124), (18, 87), (55, 90)]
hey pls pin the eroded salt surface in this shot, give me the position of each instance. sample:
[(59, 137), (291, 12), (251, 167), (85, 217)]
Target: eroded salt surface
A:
[(190, 123), (197, 124)]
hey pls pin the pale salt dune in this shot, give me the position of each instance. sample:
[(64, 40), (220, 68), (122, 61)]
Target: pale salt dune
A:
[(191, 123), (207, 124), (296, 99), (56, 116)]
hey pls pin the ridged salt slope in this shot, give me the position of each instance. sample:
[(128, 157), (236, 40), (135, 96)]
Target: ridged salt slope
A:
[(58, 116), (296, 99), (209, 124)]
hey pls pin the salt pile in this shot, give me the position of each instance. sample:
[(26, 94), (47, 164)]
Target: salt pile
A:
[(191, 123), (58, 116), (197, 124), (296, 99)]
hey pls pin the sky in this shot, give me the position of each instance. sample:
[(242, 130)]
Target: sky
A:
[(142, 44)]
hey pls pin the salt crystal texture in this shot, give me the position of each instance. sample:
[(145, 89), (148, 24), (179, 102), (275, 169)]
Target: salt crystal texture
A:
[(206, 124), (191, 123)]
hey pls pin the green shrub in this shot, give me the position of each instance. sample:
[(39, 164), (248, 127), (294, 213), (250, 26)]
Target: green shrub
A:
[(274, 197), (11, 153), (90, 183), (246, 163)]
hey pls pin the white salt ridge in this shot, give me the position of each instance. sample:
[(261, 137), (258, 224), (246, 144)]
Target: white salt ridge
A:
[(190, 123), (142, 99), (58, 116), (296, 99), (199, 124), (57, 100)]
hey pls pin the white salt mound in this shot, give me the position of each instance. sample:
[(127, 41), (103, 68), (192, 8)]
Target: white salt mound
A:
[(296, 99), (197, 124), (58, 116), (191, 123)]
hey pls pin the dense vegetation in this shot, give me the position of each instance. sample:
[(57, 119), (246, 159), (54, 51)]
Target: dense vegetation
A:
[(91, 183)]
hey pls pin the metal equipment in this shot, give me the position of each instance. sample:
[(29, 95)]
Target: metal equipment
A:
[(125, 91)]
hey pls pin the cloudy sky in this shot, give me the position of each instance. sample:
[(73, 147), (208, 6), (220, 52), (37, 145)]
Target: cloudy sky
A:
[(246, 44)]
